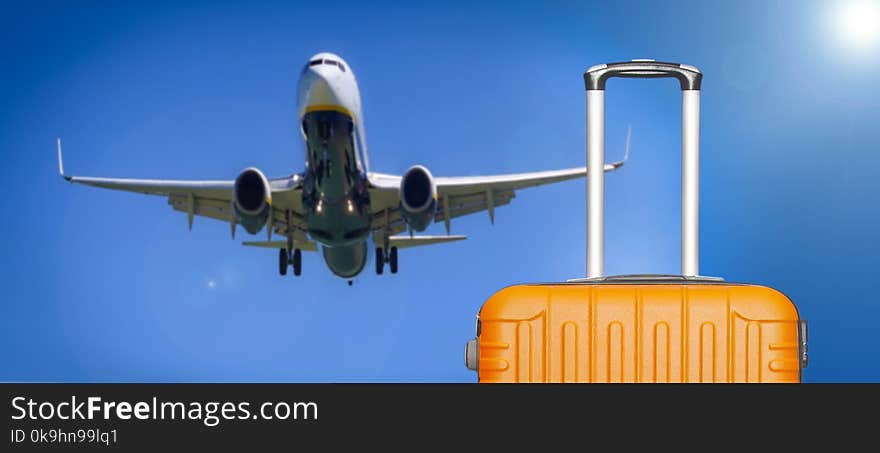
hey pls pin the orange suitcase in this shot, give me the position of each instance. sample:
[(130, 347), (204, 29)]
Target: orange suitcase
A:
[(639, 328)]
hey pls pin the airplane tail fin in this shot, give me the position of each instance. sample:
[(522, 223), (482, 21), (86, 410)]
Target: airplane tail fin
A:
[(416, 241), (306, 246)]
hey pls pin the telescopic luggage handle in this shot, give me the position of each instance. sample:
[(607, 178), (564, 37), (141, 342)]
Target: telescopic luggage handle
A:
[(690, 79)]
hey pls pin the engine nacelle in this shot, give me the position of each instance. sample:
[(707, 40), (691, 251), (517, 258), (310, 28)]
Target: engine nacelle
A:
[(418, 197), (251, 200)]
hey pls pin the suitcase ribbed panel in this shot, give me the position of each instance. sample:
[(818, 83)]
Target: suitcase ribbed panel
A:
[(639, 333)]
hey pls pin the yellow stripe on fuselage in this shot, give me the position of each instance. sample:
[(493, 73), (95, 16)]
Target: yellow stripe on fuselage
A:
[(330, 107)]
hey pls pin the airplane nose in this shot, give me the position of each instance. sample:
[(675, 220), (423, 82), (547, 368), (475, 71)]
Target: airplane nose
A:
[(320, 88)]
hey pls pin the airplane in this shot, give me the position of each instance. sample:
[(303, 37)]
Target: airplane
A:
[(337, 204)]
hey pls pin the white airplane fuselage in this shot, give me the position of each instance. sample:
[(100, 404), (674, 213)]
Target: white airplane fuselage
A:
[(335, 196)]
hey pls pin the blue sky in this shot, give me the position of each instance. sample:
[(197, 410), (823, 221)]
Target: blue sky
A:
[(106, 286)]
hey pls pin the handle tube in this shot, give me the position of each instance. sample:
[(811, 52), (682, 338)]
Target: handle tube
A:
[(690, 79), (595, 183), (690, 183)]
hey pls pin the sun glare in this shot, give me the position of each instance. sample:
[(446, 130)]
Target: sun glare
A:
[(858, 24)]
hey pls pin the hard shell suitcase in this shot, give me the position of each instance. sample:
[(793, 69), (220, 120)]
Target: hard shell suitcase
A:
[(639, 328)]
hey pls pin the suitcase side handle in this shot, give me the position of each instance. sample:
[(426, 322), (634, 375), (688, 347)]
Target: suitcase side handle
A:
[(690, 79)]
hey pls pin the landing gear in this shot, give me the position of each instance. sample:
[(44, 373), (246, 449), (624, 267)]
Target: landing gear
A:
[(297, 262), (392, 260), (382, 258), (282, 262), (285, 260)]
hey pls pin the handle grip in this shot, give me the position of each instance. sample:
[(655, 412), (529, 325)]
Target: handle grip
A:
[(688, 76)]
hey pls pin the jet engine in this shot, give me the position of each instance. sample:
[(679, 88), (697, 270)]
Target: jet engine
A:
[(418, 197), (252, 200)]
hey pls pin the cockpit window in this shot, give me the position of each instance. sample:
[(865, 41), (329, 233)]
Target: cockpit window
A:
[(327, 61)]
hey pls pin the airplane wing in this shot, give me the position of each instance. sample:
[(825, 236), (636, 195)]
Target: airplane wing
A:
[(459, 196), (212, 199)]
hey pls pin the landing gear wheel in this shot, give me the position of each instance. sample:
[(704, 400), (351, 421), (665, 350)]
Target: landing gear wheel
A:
[(282, 262), (393, 260), (380, 260), (297, 262)]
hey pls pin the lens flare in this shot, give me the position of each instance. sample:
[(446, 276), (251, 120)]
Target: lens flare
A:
[(858, 24)]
